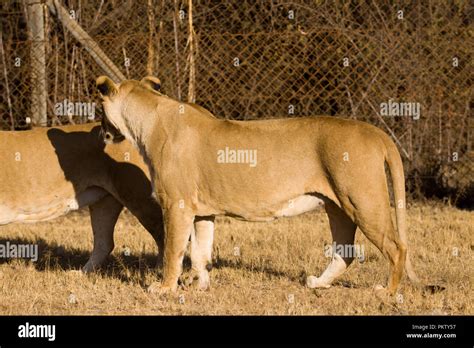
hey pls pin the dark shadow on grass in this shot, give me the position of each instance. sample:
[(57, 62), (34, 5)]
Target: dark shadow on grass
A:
[(53, 256)]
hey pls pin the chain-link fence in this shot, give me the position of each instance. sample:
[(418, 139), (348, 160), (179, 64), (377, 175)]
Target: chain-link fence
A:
[(405, 66)]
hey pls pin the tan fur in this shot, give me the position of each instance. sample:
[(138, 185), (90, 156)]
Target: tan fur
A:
[(306, 160), (47, 172)]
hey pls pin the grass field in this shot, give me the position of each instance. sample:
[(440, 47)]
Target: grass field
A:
[(266, 278)]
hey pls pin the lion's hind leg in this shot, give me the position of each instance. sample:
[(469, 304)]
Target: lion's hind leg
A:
[(343, 233), (201, 252), (373, 218)]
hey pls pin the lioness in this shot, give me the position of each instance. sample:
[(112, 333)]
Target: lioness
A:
[(300, 164), (48, 172)]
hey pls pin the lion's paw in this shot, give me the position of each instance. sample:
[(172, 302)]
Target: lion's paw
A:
[(315, 282), (381, 292), (197, 281), (88, 267)]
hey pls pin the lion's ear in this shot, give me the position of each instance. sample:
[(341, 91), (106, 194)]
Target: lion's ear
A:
[(106, 86), (152, 82)]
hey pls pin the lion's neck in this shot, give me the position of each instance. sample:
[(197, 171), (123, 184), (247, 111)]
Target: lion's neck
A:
[(155, 129), (146, 131), (138, 125)]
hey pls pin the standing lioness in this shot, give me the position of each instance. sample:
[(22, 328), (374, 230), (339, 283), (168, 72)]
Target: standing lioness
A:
[(48, 172), (260, 170)]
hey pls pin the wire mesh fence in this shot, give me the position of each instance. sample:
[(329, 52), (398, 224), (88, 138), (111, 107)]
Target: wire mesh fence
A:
[(404, 66)]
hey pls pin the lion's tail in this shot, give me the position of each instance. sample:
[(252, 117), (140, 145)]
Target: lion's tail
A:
[(395, 166)]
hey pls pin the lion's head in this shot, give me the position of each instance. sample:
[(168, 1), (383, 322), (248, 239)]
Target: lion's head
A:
[(112, 95)]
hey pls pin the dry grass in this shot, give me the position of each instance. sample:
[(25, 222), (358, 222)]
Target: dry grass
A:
[(274, 258)]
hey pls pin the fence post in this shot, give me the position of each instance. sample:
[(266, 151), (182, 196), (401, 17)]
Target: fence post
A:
[(35, 22)]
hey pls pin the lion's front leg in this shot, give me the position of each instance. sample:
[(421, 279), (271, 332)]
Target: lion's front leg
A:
[(178, 228), (201, 251)]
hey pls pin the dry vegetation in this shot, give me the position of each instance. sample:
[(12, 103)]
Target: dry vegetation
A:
[(263, 280)]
